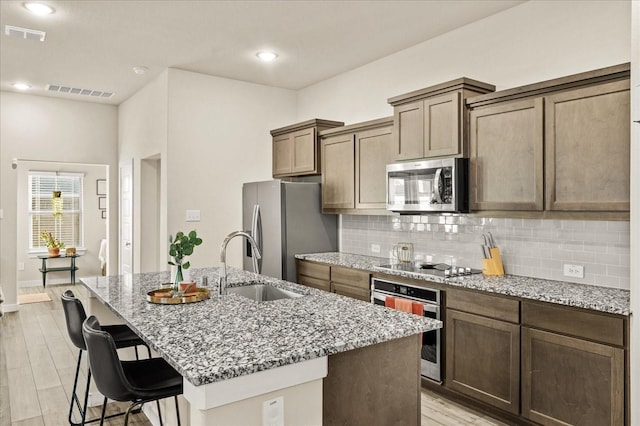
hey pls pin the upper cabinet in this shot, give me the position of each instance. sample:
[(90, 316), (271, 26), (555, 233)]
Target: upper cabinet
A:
[(558, 146), (354, 166), (296, 150), (431, 122)]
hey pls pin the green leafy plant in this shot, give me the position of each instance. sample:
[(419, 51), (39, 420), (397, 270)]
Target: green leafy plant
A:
[(51, 241), (180, 247)]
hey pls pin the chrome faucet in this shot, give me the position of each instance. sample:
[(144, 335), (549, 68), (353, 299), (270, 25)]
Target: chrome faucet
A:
[(223, 257)]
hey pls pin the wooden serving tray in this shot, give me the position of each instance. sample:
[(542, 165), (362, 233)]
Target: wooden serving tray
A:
[(163, 296)]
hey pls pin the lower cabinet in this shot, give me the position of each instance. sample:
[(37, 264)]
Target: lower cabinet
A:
[(313, 274), (571, 381), (351, 282), (483, 348), (337, 279), (573, 366)]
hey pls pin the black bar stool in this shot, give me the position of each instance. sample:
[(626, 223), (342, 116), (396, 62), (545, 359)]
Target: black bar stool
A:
[(138, 381), (123, 337)]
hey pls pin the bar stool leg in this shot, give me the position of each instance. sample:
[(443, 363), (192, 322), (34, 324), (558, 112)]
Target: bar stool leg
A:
[(74, 398)]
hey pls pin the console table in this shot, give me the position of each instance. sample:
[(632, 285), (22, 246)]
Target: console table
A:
[(71, 267)]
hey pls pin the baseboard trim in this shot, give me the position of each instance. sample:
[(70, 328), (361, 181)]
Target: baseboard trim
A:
[(10, 308)]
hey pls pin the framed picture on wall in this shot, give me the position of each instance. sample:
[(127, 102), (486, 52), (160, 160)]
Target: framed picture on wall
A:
[(102, 203), (104, 214), (101, 187)]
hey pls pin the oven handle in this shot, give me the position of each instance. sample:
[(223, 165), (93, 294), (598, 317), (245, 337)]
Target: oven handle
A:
[(428, 307)]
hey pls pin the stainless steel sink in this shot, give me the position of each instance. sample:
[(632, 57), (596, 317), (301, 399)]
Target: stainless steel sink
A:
[(262, 292)]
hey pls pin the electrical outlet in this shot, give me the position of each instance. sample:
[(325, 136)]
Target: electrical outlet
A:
[(193, 216), (375, 248), (20, 266), (273, 412), (575, 271)]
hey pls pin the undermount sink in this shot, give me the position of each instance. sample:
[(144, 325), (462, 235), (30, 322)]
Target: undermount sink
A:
[(262, 292)]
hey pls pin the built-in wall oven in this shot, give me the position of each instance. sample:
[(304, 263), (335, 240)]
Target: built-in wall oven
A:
[(430, 365)]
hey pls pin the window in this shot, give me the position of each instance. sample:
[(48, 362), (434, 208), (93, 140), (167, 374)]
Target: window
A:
[(67, 227)]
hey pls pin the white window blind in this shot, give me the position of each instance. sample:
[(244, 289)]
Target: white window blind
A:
[(67, 227)]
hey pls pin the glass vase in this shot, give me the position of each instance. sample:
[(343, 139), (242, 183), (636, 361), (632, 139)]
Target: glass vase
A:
[(178, 279)]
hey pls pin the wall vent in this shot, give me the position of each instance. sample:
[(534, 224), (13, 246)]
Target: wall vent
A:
[(78, 91), (24, 33)]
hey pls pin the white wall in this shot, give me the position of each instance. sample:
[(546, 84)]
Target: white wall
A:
[(218, 139), (532, 42), (143, 134), (48, 129)]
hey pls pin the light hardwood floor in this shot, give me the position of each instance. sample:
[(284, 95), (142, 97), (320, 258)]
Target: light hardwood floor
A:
[(38, 360)]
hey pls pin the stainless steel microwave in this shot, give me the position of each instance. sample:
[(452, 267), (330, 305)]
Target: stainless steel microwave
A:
[(428, 186)]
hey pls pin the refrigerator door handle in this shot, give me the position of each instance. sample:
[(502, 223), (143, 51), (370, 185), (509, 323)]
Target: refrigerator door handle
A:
[(256, 233)]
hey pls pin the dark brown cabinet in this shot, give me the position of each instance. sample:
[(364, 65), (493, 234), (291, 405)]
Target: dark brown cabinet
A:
[(337, 279), (483, 350), (573, 366), (313, 274), (558, 146), (354, 166), (296, 149), (506, 157), (588, 148), (566, 380), (431, 122)]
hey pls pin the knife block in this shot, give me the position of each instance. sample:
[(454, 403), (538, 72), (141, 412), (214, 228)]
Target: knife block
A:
[(493, 266)]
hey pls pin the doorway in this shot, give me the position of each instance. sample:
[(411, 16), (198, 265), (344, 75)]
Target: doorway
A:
[(150, 244)]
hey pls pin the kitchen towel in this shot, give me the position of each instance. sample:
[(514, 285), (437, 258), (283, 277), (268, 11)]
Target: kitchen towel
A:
[(404, 305)]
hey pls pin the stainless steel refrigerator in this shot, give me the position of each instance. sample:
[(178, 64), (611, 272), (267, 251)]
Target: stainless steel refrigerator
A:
[(285, 219)]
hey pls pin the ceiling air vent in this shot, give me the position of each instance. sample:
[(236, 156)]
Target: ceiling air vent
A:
[(78, 91), (24, 33)]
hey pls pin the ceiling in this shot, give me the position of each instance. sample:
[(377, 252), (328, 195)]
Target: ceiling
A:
[(95, 44)]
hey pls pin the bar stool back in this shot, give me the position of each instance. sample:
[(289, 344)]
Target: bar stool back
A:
[(123, 336), (138, 381)]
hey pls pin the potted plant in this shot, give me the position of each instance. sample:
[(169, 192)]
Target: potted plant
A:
[(180, 247), (53, 244)]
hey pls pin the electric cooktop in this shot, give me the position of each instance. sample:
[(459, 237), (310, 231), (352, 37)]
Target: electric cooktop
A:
[(437, 269)]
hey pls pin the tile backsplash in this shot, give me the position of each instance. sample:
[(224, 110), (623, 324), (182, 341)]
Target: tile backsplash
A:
[(530, 247)]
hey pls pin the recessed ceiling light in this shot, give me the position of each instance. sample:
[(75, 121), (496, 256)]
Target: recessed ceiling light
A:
[(38, 8), (140, 70), (21, 86), (266, 56)]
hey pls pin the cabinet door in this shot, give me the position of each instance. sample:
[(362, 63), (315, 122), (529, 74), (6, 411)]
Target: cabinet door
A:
[(304, 156), (588, 148), (409, 131), (483, 359), (338, 174), (282, 152), (506, 157), (442, 125), (351, 282), (374, 150), (571, 381)]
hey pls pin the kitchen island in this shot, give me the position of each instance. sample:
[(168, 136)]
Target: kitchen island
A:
[(331, 358)]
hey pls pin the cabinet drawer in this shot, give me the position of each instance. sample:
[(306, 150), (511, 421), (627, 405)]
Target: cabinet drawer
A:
[(314, 270), (350, 291), (351, 277), (586, 325), (314, 282), (489, 306)]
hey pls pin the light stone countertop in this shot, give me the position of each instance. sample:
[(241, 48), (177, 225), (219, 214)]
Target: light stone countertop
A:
[(602, 299), (230, 336)]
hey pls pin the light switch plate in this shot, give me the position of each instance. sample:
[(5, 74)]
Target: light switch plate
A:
[(193, 216), (375, 248)]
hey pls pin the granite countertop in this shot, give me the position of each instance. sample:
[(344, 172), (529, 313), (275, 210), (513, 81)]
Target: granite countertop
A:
[(230, 336), (603, 299)]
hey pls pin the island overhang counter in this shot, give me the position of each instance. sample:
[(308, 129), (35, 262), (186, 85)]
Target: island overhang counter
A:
[(332, 359)]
